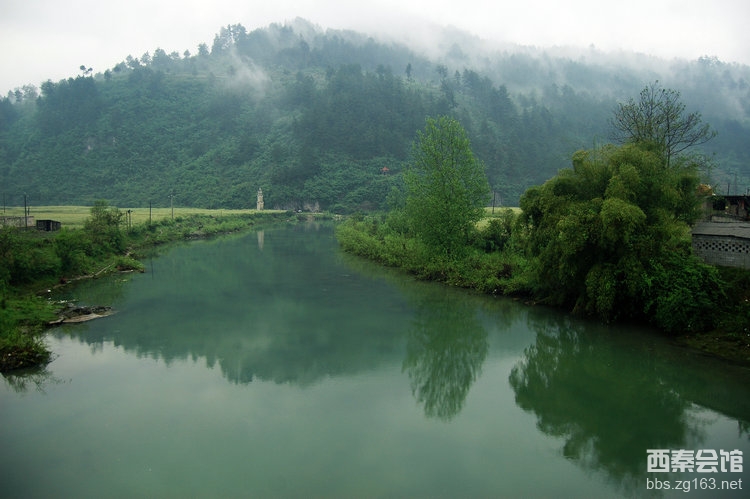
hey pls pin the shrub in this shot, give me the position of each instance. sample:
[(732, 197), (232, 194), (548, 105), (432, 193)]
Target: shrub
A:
[(124, 263), (103, 228), (19, 350), (70, 247), (497, 234), (682, 293), (25, 258), (735, 317)]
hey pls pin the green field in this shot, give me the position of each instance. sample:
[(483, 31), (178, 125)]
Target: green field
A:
[(490, 213), (75, 216)]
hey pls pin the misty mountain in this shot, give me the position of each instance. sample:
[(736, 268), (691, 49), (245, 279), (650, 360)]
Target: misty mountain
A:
[(327, 118)]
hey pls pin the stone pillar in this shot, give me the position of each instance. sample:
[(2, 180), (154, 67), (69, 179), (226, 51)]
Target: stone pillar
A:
[(259, 205)]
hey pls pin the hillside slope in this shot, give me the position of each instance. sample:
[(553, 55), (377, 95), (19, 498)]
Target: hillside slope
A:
[(326, 119)]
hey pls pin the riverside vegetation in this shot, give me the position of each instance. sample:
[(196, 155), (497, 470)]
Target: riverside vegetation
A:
[(324, 120), (33, 261), (608, 238)]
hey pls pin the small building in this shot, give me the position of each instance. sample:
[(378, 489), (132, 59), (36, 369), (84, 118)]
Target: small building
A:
[(727, 208), (737, 206), (17, 221), (723, 243), (48, 225)]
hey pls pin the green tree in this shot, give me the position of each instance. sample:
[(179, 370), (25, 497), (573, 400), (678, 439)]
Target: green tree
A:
[(103, 227), (446, 187), (611, 237), (659, 118)]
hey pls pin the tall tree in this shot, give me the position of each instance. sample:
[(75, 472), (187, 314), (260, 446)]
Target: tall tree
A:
[(447, 188), (659, 119), (610, 237)]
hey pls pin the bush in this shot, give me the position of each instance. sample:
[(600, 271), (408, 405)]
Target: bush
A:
[(735, 317), (358, 236), (20, 321), (497, 234), (70, 247), (25, 258), (19, 350), (103, 228), (682, 294), (125, 263)]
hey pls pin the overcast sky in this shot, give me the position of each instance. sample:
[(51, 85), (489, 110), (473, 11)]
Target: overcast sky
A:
[(50, 39)]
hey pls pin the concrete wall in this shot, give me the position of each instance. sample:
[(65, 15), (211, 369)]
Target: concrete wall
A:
[(17, 221), (726, 251)]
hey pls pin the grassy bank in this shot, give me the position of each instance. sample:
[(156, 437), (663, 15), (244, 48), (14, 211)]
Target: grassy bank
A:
[(731, 339), (490, 263), (93, 242), (494, 262)]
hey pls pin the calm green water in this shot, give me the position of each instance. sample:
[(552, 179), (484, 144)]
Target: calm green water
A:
[(271, 365)]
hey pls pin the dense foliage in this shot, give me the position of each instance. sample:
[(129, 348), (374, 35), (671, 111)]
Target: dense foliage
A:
[(431, 229), (325, 120), (607, 238), (446, 187), (611, 238)]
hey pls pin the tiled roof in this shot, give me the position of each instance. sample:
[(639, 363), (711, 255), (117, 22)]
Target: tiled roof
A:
[(725, 229)]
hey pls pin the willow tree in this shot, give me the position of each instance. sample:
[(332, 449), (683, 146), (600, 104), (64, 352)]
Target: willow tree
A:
[(446, 187)]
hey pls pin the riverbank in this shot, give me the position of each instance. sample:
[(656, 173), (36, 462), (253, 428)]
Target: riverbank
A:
[(729, 346), (731, 339), (35, 262), (494, 264)]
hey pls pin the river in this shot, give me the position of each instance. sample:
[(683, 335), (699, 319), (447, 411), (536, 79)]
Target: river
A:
[(271, 364)]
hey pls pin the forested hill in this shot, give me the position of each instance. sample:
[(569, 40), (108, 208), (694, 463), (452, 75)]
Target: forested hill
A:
[(326, 119)]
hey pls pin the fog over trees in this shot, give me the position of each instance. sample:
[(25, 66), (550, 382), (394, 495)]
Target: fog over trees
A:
[(327, 119)]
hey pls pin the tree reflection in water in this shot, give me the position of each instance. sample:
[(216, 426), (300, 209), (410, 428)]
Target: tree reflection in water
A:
[(608, 401), (22, 380), (446, 347)]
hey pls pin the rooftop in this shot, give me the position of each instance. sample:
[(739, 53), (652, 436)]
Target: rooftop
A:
[(730, 229)]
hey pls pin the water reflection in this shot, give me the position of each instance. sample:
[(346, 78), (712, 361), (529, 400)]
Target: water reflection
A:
[(276, 306), (32, 379), (445, 350), (295, 324), (288, 312), (610, 397)]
